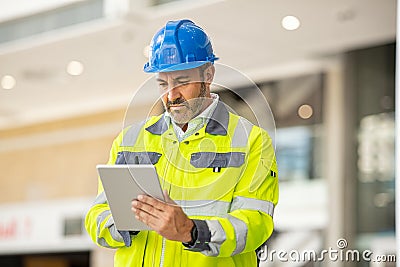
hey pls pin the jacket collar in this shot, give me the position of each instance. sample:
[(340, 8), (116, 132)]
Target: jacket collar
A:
[(217, 124)]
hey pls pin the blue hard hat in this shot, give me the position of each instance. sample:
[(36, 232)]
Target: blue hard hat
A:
[(180, 45)]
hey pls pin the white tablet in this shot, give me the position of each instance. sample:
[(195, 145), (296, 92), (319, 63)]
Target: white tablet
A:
[(122, 184)]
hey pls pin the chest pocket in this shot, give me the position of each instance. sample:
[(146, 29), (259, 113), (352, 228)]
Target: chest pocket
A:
[(128, 157), (217, 160)]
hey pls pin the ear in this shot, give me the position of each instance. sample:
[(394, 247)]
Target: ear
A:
[(209, 74)]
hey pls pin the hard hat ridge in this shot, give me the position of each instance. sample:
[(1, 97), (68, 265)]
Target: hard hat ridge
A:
[(180, 45)]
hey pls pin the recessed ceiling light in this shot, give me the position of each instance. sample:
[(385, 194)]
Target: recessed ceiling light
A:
[(75, 68), (305, 111), (290, 23), (8, 82)]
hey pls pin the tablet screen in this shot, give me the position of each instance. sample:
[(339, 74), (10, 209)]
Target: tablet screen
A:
[(122, 184)]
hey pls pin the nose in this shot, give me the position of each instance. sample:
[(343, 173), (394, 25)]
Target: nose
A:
[(173, 93)]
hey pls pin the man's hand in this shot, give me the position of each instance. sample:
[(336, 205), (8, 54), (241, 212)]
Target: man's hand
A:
[(166, 218)]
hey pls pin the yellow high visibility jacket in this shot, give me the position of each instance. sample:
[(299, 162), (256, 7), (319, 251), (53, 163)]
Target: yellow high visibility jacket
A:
[(225, 178)]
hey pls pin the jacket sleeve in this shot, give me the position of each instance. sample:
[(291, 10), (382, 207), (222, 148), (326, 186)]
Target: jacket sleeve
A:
[(249, 222), (99, 222)]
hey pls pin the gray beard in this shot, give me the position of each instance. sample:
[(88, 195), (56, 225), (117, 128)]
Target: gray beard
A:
[(193, 108)]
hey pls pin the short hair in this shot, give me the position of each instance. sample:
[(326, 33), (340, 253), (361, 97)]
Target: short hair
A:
[(203, 68)]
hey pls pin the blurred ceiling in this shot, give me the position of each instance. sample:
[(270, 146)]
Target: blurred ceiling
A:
[(246, 35)]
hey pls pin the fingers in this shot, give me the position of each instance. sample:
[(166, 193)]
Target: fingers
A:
[(168, 220), (151, 216), (145, 213), (151, 201), (144, 217), (154, 212), (148, 209), (146, 206)]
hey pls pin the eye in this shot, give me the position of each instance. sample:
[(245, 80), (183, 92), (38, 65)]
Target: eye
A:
[(182, 82), (162, 85)]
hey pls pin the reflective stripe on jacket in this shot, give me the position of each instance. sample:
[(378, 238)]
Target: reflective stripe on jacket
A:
[(224, 175)]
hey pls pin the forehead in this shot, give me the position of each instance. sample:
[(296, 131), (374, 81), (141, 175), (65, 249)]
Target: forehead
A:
[(191, 73)]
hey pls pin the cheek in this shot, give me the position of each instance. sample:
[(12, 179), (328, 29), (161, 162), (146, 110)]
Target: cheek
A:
[(164, 99), (191, 92)]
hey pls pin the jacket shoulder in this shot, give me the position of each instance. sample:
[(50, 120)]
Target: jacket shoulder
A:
[(130, 133)]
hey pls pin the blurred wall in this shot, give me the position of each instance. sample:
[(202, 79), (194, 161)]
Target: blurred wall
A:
[(56, 159)]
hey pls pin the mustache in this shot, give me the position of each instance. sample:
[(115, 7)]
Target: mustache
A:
[(177, 101)]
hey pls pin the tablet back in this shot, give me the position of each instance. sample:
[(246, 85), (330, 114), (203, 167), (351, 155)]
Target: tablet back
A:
[(122, 184)]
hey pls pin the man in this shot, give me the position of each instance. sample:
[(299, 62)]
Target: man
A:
[(218, 171)]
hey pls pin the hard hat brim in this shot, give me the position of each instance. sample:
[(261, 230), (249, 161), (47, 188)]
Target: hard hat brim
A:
[(175, 67)]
